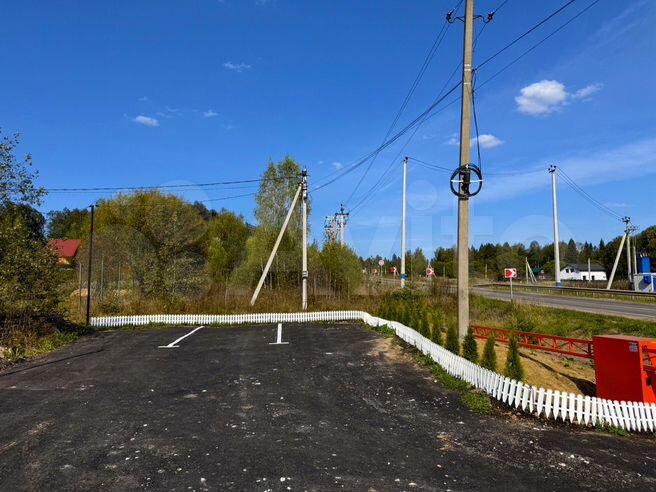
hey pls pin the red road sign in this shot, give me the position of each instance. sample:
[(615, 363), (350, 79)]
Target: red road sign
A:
[(429, 272), (393, 269), (510, 273), (375, 270)]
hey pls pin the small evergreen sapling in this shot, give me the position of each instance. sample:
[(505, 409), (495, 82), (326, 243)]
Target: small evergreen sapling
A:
[(469, 347), (452, 342), (489, 360), (514, 369)]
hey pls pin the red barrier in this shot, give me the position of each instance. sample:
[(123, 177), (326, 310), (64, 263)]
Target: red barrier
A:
[(550, 343)]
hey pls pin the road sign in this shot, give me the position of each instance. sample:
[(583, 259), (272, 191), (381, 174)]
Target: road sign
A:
[(429, 272), (381, 262), (375, 270), (510, 273), (394, 270)]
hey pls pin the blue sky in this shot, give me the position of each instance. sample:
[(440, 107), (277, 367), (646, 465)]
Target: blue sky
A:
[(169, 92)]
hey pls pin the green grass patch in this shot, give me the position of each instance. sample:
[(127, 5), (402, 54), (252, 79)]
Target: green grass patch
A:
[(477, 401), (552, 321)]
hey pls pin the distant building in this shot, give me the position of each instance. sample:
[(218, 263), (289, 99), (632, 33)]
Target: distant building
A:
[(579, 271), (66, 250)]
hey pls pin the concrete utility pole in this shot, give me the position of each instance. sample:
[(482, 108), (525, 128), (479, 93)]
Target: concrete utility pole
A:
[(89, 272), (552, 171), (405, 170), (463, 201), (265, 272), (304, 196), (617, 260), (343, 218)]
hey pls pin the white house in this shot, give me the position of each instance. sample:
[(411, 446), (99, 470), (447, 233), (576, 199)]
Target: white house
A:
[(579, 271)]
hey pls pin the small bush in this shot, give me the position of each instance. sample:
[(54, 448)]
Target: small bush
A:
[(469, 347), (489, 360), (436, 329), (452, 341), (514, 369)]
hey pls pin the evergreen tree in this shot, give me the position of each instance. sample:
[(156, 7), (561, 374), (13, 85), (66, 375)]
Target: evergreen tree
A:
[(436, 330), (514, 369), (452, 342), (469, 347), (489, 360)]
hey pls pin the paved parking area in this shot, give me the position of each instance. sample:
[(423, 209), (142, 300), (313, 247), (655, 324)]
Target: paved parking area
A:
[(337, 407)]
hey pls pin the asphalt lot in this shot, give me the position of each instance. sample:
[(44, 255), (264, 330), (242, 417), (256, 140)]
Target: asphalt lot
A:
[(337, 408), (636, 310)]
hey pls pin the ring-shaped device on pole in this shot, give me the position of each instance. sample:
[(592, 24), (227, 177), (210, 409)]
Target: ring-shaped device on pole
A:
[(462, 180)]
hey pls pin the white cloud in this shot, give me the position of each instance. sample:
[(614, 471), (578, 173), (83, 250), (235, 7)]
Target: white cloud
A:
[(143, 98), (337, 165), (237, 67), (487, 141), (587, 91), (146, 120), (541, 97), (210, 113), (453, 140), (547, 96)]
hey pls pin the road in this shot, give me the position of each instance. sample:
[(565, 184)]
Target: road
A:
[(613, 307), (338, 407)]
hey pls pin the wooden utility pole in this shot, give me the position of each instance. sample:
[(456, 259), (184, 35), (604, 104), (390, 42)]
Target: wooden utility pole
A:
[(463, 201)]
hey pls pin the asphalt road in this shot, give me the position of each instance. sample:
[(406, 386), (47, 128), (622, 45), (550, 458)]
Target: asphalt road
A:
[(337, 408), (613, 307)]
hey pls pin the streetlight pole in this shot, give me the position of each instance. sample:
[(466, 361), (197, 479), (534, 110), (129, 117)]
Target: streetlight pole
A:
[(304, 197), (90, 263), (552, 171)]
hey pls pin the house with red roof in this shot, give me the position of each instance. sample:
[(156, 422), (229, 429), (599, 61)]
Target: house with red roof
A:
[(66, 250)]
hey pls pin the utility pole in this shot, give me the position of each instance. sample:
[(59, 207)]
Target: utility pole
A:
[(552, 171), (343, 218), (463, 201), (304, 197), (90, 263), (617, 260), (405, 170), (265, 272)]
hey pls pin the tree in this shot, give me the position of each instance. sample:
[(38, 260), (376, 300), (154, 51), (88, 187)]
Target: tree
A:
[(489, 359), (469, 347), (341, 267), (29, 278), (69, 224), (226, 243), (158, 236), (514, 369), (452, 341), (436, 330), (16, 178), (277, 189)]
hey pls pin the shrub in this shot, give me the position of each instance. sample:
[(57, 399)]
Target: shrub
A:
[(436, 330), (489, 360), (469, 347), (452, 341), (514, 369)]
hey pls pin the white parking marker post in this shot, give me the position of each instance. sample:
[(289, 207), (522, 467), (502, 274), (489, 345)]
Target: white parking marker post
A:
[(279, 337)]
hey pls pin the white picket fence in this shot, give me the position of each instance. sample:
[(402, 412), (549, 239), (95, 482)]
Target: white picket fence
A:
[(549, 404)]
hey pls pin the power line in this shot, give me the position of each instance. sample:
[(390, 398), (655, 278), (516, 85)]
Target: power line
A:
[(536, 45), (391, 140), (157, 187), (522, 36), (429, 56), (572, 184)]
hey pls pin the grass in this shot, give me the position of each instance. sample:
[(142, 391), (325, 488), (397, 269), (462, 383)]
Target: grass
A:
[(552, 321)]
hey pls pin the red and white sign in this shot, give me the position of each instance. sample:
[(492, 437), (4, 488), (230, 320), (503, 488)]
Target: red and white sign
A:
[(429, 272), (510, 273), (375, 270), (393, 269)]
